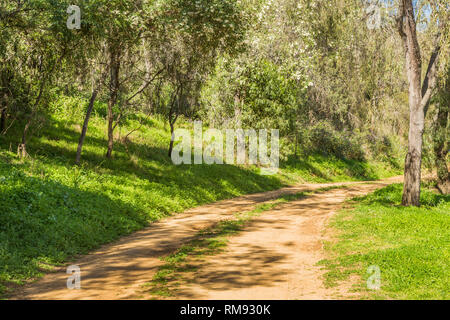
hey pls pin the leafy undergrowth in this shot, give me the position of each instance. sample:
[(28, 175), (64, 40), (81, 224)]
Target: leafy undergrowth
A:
[(52, 211), (410, 246)]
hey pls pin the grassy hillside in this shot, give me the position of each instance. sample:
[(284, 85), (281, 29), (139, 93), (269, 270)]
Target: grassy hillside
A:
[(51, 210), (409, 245)]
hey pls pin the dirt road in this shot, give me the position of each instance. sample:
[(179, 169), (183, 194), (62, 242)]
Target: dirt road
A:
[(274, 257)]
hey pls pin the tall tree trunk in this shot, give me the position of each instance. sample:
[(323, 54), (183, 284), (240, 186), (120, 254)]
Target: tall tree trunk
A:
[(113, 92), (171, 140), (172, 120), (419, 98), (85, 125), (413, 162)]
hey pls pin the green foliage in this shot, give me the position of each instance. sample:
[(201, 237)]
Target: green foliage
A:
[(217, 24), (36, 45), (263, 93), (323, 139), (304, 67), (269, 97), (299, 74), (410, 245)]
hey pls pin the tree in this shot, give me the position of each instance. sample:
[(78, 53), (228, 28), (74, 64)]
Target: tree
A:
[(40, 45), (191, 34), (419, 97), (111, 31), (12, 21)]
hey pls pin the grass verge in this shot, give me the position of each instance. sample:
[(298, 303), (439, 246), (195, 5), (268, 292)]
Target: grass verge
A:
[(410, 246)]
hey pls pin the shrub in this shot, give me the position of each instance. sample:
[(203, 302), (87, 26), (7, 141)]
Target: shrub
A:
[(323, 139)]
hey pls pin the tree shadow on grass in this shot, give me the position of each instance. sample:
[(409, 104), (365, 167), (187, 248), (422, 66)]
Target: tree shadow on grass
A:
[(359, 170), (201, 183), (392, 196), (44, 221), (198, 183), (50, 213)]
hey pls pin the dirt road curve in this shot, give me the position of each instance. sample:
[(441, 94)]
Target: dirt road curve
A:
[(273, 258)]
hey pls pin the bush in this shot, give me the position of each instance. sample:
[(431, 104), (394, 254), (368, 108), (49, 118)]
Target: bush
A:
[(323, 139)]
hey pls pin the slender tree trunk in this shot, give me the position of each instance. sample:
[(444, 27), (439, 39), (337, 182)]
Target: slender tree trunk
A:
[(172, 122), (173, 115), (172, 130), (113, 92), (296, 141), (85, 125), (22, 148), (110, 133)]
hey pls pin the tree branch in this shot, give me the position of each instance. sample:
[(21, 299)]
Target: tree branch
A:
[(144, 86), (430, 80)]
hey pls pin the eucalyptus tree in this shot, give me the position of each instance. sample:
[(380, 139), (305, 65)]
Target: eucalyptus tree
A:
[(189, 37), (112, 32), (122, 26), (437, 123), (12, 18), (308, 64), (38, 44), (420, 92), (181, 39), (101, 22)]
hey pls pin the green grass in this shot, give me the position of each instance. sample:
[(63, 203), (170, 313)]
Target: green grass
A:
[(51, 211), (411, 246), (318, 168)]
